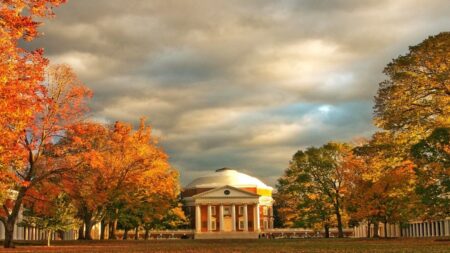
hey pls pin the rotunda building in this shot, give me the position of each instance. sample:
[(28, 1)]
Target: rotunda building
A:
[(228, 204)]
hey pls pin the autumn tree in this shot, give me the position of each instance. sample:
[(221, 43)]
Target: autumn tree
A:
[(119, 169), (21, 75), (87, 186), (382, 190), (411, 103), (415, 99), (53, 212), (298, 200), (63, 102), (319, 173), (432, 156)]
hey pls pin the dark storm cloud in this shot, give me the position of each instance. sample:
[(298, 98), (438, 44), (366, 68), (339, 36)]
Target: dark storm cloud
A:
[(238, 83)]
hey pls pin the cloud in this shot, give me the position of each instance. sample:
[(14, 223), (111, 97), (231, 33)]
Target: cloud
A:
[(238, 83)]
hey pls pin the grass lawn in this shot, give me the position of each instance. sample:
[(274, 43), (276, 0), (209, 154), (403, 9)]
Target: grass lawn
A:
[(259, 246)]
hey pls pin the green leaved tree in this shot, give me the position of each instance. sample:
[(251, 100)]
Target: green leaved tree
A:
[(432, 156), (52, 216)]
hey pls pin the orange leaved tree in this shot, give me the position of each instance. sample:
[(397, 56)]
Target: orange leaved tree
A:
[(119, 168), (62, 103), (21, 71), (383, 189)]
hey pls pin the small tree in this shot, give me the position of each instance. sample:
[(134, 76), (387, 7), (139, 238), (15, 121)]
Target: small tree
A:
[(51, 216), (317, 178)]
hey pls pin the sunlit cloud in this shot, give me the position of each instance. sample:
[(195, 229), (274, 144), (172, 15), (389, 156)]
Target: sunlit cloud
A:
[(238, 83)]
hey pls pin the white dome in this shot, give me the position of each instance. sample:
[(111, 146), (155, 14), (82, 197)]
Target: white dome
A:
[(224, 177)]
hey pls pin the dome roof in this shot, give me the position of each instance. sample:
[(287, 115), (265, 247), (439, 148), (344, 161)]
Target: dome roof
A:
[(226, 176)]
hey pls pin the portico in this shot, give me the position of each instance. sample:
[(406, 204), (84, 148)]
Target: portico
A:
[(229, 212)]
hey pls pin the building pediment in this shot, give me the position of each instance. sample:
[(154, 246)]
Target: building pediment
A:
[(225, 192)]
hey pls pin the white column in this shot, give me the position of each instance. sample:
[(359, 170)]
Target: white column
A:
[(221, 217), (428, 228), (209, 218), (420, 230), (245, 218), (256, 224), (233, 217), (438, 228), (442, 228), (198, 219), (432, 229), (2, 231), (446, 227)]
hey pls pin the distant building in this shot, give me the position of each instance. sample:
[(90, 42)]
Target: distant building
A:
[(411, 229), (228, 204)]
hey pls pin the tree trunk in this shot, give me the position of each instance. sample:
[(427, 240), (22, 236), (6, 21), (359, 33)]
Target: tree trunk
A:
[(87, 231), (112, 227), (385, 229), (102, 229), (136, 233), (339, 219), (375, 230), (327, 231), (9, 232), (49, 237), (11, 219), (81, 232), (146, 234), (401, 229), (125, 234), (368, 229)]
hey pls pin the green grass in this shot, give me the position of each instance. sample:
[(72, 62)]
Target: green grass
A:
[(259, 246)]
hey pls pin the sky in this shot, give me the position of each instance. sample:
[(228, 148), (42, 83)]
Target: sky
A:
[(233, 83)]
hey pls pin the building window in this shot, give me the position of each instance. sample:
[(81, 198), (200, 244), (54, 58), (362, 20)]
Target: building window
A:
[(266, 224), (226, 210), (241, 224), (241, 210), (213, 210), (265, 211), (213, 224)]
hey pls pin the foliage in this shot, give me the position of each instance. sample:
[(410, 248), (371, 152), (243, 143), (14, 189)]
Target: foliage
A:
[(121, 170), (316, 178), (382, 190), (21, 75), (415, 98), (54, 214), (432, 156), (37, 157)]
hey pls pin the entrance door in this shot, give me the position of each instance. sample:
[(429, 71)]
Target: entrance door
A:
[(227, 224)]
